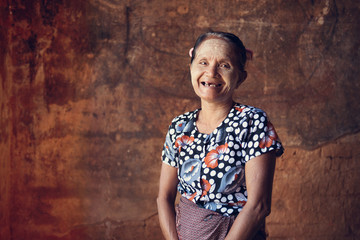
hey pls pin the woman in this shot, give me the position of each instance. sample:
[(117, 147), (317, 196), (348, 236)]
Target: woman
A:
[(221, 157)]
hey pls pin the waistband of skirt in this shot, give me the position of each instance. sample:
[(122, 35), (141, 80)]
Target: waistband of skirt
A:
[(190, 204)]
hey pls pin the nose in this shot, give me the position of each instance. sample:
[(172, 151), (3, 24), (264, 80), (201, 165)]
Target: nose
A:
[(212, 71)]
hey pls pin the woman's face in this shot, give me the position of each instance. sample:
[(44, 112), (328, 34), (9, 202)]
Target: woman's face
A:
[(214, 71)]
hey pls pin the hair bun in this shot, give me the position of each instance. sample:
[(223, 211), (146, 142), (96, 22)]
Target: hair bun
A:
[(191, 52)]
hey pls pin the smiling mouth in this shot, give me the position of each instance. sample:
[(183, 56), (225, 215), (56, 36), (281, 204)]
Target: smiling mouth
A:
[(210, 84)]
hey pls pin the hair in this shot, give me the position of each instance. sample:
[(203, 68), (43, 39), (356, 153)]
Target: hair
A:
[(229, 37)]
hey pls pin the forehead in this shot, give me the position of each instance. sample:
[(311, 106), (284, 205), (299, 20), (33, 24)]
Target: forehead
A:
[(215, 47)]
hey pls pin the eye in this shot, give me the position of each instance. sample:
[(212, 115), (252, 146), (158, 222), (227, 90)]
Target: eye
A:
[(224, 65), (202, 62)]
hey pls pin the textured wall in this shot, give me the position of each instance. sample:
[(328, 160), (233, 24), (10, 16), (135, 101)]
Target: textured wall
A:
[(88, 89)]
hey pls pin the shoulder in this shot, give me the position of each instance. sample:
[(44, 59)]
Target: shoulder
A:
[(249, 112), (183, 122), (184, 117)]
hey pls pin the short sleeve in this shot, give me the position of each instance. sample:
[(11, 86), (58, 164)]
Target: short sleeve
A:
[(262, 137), (168, 153)]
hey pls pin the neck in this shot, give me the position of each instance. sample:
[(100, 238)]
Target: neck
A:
[(211, 115)]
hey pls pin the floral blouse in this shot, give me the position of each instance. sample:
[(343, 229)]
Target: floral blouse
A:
[(211, 167)]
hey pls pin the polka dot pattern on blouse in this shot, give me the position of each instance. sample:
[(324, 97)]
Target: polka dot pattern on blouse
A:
[(211, 167)]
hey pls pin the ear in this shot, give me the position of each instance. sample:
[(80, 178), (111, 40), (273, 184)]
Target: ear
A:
[(242, 77)]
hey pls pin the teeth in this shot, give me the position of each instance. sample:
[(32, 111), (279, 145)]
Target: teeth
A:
[(211, 85)]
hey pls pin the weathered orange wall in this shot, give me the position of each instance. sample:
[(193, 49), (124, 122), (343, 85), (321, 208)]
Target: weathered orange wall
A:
[(88, 89)]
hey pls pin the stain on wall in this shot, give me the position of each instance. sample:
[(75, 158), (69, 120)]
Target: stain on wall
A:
[(88, 89)]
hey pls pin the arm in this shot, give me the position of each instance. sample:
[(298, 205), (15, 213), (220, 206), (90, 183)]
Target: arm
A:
[(259, 174), (166, 200)]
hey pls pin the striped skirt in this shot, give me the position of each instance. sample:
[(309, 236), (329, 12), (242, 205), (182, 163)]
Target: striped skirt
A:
[(196, 223)]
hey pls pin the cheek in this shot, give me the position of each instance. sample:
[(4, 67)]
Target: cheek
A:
[(194, 73), (230, 76), (236, 78), (192, 79)]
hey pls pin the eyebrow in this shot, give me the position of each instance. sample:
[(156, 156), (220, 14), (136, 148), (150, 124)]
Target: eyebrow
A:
[(222, 59)]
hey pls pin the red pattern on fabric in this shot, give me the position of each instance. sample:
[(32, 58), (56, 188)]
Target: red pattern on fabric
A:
[(211, 159), (196, 223)]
